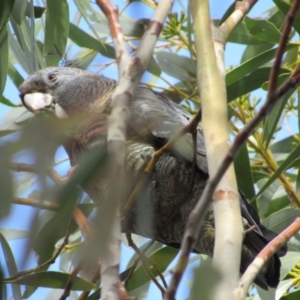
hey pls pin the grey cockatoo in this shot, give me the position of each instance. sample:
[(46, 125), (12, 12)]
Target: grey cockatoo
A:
[(162, 207)]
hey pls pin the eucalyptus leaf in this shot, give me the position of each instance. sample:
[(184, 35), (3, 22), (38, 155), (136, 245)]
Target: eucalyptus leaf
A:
[(285, 7), (3, 57), (243, 172), (241, 35), (280, 220), (249, 83), (272, 119), (6, 182), (262, 30), (252, 51), (19, 10), (293, 156), (288, 262), (56, 31), (252, 64), (14, 234), (6, 8), (54, 280), (11, 266), (162, 258), (7, 102), (177, 66), (82, 39), (292, 295)]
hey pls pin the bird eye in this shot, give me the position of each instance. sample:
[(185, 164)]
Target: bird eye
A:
[(51, 76)]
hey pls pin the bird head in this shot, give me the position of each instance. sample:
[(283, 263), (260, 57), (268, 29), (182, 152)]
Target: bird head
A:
[(58, 89)]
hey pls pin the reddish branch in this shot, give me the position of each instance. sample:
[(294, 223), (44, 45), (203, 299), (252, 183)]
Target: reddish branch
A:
[(22, 167), (263, 257), (282, 44)]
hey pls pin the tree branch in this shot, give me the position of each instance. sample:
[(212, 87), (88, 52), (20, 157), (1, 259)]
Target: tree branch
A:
[(130, 71), (263, 257), (198, 214)]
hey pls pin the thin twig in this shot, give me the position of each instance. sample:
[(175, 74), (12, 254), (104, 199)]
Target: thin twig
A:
[(23, 167), (133, 267), (70, 281), (145, 262), (77, 214), (46, 263)]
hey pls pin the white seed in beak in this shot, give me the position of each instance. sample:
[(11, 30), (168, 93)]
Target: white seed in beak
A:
[(37, 101)]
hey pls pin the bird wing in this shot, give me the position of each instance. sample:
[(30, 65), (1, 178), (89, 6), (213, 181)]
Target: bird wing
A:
[(155, 115)]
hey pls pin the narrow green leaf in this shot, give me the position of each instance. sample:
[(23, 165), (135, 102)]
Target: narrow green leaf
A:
[(277, 203), (248, 83), (287, 162), (290, 57), (286, 145), (292, 296), (153, 67), (50, 233), (154, 247), (285, 7), (55, 280), (241, 35), (95, 295), (177, 66), (8, 124), (56, 31), (280, 220), (24, 35), (272, 119), (18, 11), (6, 183), (22, 183), (82, 39), (283, 287), (252, 64), (14, 234), (11, 266), (18, 52), (254, 50), (277, 17), (288, 262), (86, 10), (6, 8), (162, 258), (298, 107), (130, 27), (263, 30), (14, 75), (7, 102), (243, 172), (3, 57), (298, 183)]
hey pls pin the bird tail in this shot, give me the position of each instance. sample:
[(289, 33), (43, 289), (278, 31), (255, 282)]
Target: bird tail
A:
[(253, 243)]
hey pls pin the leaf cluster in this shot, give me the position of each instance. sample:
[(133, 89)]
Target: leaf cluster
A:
[(267, 168)]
